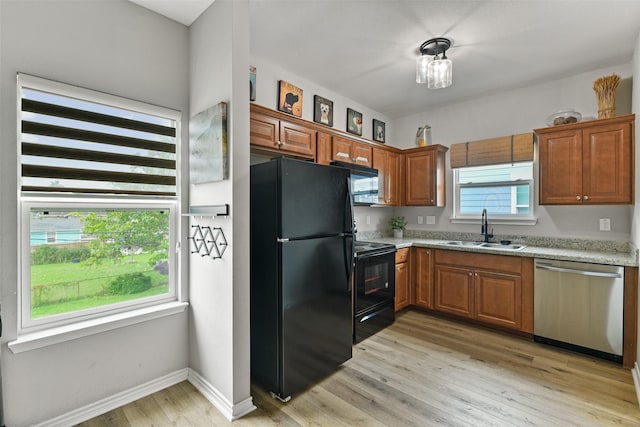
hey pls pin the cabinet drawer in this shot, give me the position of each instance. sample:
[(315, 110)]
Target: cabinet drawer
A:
[(402, 255), (503, 263)]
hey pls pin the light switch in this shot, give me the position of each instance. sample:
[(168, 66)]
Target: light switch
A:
[(420, 219), (605, 224), (368, 219), (431, 219)]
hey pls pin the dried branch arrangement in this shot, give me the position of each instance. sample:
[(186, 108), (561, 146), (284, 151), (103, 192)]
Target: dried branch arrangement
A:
[(605, 88)]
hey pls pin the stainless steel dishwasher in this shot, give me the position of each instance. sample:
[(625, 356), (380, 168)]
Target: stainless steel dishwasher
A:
[(579, 306)]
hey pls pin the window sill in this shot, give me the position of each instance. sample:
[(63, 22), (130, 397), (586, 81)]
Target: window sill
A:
[(496, 221), (40, 339)]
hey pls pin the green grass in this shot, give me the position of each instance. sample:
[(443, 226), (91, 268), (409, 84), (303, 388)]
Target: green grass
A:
[(66, 287)]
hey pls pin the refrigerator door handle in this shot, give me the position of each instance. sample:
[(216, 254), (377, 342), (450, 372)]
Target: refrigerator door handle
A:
[(348, 251)]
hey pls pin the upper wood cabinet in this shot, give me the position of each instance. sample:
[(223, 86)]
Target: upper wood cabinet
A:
[(587, 163), (388, 164), (275, 134), (425, 176), (323, 148), (350, 151)]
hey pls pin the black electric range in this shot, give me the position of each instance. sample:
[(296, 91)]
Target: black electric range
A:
[(374, 286)]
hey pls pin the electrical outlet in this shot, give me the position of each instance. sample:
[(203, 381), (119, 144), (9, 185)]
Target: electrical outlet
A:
[(431, 219), (368, 219), (420, 219), (605, 224)]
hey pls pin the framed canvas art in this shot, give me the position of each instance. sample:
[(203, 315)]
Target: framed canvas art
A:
[(378, 130), (252, 83), (354, 122), (208, 151), (289, 98), (322, 110)]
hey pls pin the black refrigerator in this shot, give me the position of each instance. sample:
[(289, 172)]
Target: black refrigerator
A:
[(301, 265)]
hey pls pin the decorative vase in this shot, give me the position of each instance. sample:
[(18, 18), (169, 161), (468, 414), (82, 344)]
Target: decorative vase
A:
[(397, 233), (423, 136), (605, 89)]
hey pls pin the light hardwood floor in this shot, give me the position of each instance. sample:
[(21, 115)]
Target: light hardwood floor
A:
[(425, 371)]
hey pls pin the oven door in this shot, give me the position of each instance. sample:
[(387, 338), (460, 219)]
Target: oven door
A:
[(375, 280)]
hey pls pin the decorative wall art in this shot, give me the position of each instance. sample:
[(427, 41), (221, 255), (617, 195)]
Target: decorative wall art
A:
[(354, 122), (290, 98), (322, 110), (252, 83), (378, 130), (208, 150)]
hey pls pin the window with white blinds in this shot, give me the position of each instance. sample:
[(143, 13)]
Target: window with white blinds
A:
[(79, 141)]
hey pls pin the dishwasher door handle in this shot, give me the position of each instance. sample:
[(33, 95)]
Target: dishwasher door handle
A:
[(576, 271)]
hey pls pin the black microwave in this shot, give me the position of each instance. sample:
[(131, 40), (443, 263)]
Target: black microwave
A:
[(364, 183)]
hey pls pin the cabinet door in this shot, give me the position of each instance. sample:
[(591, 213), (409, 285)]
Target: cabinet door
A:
[(402, 286), (380, 158), (420, 190), (323, 149), (393, 194), (264, 131), (297, 139), (453, 290), (560, 176), (361, 154), (607, 164), (341, 149), (424, 277), (498, 299)]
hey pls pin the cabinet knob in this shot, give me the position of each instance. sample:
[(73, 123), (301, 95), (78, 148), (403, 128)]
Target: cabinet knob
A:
[(470, 274), (476, 274), (278, 142), (431, 200), (578, 198), (586, 197)]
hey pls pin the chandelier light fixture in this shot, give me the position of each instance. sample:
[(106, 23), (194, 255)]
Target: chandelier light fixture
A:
[(436, 72)]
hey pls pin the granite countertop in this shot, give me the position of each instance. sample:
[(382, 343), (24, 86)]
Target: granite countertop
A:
[(593, 251)]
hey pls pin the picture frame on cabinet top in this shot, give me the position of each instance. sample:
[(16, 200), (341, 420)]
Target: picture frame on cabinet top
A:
[(322, 110), (379, 131), (289, 98), (354, 122)]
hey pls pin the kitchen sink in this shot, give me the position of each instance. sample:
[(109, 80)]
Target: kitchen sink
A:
[(488, 245), (463, 243), (501, 246)]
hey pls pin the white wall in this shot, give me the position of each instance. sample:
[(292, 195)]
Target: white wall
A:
[(219, 289), (635, 211), (101, 46), (518, 111), (268, 75)]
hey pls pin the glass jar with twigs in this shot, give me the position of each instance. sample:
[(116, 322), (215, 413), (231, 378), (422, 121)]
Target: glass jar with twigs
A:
[(605, 89)]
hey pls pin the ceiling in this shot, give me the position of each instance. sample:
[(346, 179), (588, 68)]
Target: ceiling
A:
[(366, 50)]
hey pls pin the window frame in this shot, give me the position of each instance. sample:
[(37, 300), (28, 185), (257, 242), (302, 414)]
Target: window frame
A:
[(28, 200), (515, 219)]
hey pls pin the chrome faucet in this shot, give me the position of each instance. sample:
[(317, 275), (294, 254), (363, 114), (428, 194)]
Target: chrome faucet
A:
[(484, 228)]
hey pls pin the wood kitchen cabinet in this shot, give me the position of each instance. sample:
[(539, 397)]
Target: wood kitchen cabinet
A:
[(484, 287), (402, 279), (425, 176), (274, 134), (587, 163), (323, 148), (423, 266), (350, 151), (387, 162)]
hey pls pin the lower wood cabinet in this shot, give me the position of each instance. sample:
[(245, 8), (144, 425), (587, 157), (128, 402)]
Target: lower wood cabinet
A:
[(491, 289), (422, 259), (402, 279)]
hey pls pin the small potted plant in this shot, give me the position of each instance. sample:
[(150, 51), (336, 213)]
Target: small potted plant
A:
[(398, 223)]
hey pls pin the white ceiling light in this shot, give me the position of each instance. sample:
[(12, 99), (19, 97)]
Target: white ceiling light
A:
[(436, 73)]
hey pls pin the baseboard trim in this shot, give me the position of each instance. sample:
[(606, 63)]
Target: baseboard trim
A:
[(230, 411), (107, 404), (635, 373)]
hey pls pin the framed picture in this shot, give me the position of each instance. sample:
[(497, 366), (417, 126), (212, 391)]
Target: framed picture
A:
[(354, 122), (208, 150), (322, 110), (378, 130), (290, 98), (252, 83)]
